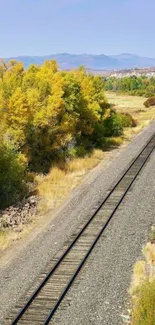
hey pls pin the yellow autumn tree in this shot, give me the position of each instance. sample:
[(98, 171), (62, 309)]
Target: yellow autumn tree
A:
[(45, 112)]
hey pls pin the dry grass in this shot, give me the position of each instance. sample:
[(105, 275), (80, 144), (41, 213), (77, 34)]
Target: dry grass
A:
[(152, 236), (10, 237), (85, 164), (134, 106), (144, 304), (149, 253), (139, 273), (7, 238), (138, 276), (143, 289), (58, 184)]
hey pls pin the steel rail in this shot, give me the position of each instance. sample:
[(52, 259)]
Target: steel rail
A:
[(91, 248), (45, 280)]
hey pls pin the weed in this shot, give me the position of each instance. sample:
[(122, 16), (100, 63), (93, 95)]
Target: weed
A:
[(143, 288), (6, 238), (144, 304), (152, 236)]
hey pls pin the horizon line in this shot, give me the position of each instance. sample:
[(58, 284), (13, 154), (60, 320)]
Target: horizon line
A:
[(66, 53)]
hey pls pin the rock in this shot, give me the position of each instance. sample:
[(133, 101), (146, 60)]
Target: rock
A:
[(126, 318), (27, 205), (21, 213), (32, 200), (18, 230), (5, 216)]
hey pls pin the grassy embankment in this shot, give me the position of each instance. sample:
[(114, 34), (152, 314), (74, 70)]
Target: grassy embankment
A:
[(58, 184)]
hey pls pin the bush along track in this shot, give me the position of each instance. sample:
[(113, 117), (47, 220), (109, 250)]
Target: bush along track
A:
[(142, 289)]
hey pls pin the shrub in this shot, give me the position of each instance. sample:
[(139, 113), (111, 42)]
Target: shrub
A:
[(107, 143), (150, 102), (12, 175), (139, 93), (81, 151), (128, 120), (144, 304), (113, 125), (149, 94)]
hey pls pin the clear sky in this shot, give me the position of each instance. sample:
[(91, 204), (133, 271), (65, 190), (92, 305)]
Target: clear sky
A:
[(39, 27)]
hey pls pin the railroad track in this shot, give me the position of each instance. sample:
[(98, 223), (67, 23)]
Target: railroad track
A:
[(45, 300)]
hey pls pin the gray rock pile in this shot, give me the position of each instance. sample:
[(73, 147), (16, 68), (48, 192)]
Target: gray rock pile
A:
[(19, 214)]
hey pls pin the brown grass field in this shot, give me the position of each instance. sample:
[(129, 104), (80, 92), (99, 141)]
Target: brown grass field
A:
[(134, 106)]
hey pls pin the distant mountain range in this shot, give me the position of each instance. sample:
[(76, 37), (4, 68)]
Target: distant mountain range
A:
[(93, 62)]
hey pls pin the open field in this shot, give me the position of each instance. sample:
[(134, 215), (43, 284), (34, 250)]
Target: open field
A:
[(134, 106)]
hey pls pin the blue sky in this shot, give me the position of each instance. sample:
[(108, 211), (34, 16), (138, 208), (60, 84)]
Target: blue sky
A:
[(39, 27)]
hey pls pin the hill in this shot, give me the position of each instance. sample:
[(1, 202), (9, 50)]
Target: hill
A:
[(94, 62)]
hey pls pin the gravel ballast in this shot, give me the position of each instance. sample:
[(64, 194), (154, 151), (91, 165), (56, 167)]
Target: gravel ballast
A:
[(92, 298), (101, 293)]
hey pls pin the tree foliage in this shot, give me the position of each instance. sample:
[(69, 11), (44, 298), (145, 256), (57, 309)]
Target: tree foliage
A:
[(133, 85), (12, 175), (46, 115)]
